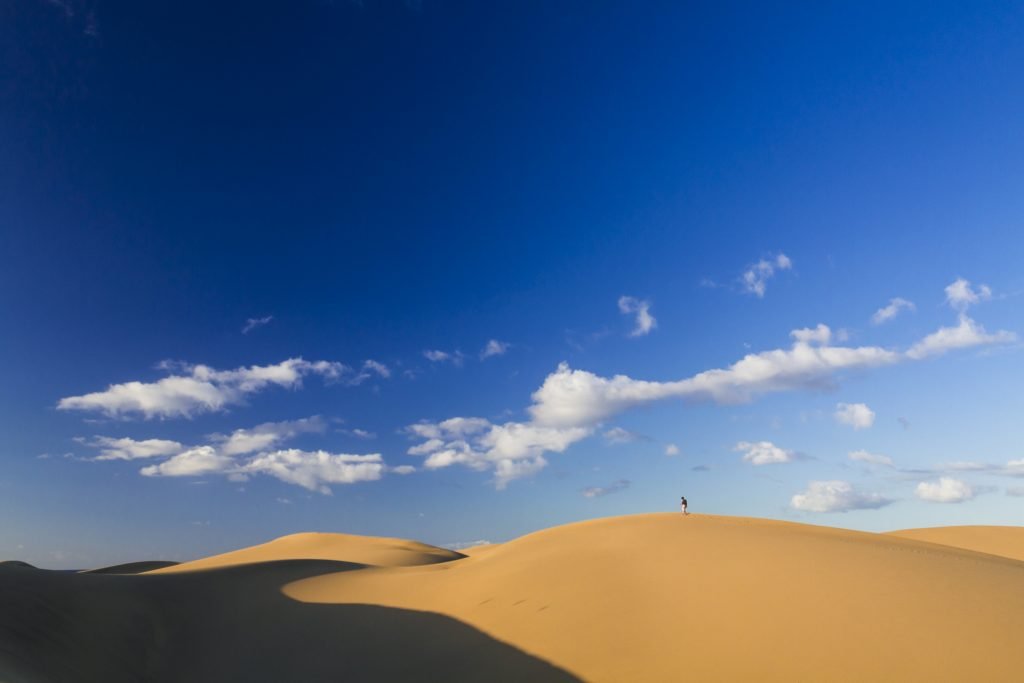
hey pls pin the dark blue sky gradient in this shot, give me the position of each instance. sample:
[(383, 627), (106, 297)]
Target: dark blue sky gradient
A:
[(387, 177)]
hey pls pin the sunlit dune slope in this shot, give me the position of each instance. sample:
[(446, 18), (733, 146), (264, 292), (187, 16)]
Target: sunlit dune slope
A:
[(663, 597), (368, 550), (1007, 541)]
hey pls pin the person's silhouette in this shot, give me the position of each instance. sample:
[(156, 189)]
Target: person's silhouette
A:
[(684, 506)]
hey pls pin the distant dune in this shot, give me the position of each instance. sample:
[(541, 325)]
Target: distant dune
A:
[(1007, 541), (132, 567), (367, 550), (640, 598)]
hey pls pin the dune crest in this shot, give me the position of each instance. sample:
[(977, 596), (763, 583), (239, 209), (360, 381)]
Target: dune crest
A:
[(1006, 541), (366, 550), (659, 597)]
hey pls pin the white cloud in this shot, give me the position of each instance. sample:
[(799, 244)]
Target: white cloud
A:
[(577, 397), (191, 463), (871, 458), (945, 490), (314, 470), (402, 469), (960, 294), (494, 348), (836, 496), (889, 312), (599, 491), (252, 323), (202, 389), (570, 405), (1016, 491), (267, 435), (1014, 468), (620, 435), (856, 415), (369, 369), (437, 356), (130, 449), (966, 334), (246, 452), (671, 449), (645, 322), (813, 335), (755, 279), (512, 450), (763, 453)]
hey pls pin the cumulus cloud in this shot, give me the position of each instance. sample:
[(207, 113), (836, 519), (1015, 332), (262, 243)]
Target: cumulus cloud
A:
[(945, 490), (889, 312), (965, 335), (494, 348), (131, 449), (252, 323), (314, 470), (960, 294), (402, 469), (267, 435), (571, 405), (645, 322), (856, 415), (512, 450), (575, 397), (247, 452), (763, 453), (755, 279), (198, 389), (671, 449), (191, 463), (600, 491), (871, 458), (836, 496)]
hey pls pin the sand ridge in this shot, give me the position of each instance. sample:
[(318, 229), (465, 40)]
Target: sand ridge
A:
[(639, 598), (365, 550), (1005, 541), (657, 597)]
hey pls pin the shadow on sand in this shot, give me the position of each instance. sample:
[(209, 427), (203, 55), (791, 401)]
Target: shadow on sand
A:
[(232, 624)]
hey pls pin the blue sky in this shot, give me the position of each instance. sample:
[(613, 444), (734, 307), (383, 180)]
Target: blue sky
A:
[(252, 260)]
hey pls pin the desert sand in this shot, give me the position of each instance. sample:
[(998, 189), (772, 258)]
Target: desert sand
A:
[(1007, 541), (640, 598)]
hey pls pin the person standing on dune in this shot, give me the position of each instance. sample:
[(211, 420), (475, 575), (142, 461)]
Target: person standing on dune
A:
[(684, 506)]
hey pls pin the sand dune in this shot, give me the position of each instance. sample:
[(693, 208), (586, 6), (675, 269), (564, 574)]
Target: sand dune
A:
[(640, 598), (366, 550), (232, 624), (662, 597), (1007, 541), (132, 567)]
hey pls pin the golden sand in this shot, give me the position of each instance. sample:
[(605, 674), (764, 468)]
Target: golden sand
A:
[(655, 597)]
